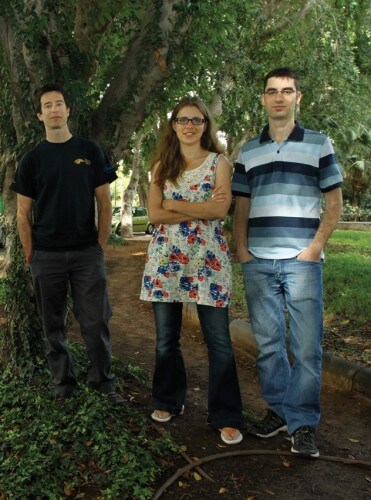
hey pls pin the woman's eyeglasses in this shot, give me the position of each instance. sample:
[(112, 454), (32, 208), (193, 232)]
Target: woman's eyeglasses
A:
[(184, 120)]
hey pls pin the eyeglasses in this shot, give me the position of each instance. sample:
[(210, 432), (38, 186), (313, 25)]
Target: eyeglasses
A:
[(184, 120), (274, 92)]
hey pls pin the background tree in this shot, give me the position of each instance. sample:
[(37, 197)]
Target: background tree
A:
[(228, 50), (125, 61)]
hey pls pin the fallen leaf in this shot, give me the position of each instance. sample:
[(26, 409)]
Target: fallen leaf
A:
[(67, 491), (272, 493), (88, 443), (182, 485), (183, 447), (287, 463), (353, 440), (222, 490), (197, 476), (52, 441), (250, 498)]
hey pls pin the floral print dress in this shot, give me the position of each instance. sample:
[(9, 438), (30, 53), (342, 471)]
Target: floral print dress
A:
[(189, 261)]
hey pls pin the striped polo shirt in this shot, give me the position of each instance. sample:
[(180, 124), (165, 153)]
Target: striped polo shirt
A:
[(285, 183)]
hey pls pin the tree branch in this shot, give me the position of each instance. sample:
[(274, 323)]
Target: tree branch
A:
[(278, 27), (91, 23), (141, 71)]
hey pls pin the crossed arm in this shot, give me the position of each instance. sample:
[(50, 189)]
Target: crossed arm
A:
[(175, 211)]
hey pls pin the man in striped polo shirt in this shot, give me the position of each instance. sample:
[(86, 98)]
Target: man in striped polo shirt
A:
[(279, 180)]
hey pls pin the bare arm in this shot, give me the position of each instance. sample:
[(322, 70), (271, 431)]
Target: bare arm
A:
[(215, 207), (330, 218), (157, 214), (103, 197), (240, 225), (24, 222)]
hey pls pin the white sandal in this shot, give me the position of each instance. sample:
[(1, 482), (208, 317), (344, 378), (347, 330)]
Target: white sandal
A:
[(163, 416), (225, 436)]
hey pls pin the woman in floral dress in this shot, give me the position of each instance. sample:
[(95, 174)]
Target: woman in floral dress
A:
[(188, 261)]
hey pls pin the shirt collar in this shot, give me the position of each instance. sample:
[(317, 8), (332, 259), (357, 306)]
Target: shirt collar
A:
[(296, 135)]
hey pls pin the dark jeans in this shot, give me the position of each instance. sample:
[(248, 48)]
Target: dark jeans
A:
[(169, 380), (85, 271)]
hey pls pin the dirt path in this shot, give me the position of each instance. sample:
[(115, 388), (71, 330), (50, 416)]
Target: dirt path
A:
[(344, 430)]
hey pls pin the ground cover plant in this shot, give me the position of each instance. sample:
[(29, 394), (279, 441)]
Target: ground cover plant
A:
[(86, 448), (347, 295)]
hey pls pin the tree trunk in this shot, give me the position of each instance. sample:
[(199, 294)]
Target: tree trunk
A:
[(131, 190)]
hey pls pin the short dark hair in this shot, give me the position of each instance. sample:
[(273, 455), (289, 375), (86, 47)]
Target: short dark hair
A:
[(283, 73), (49, 87)]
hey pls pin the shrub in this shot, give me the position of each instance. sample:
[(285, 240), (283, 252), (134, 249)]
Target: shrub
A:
[(48, 451)]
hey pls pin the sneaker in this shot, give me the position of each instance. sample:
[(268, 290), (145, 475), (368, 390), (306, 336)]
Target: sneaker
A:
[(271, 425), (115, 398), (303, 442)]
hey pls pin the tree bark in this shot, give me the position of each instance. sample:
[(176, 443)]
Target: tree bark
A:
[(131, 190), (140, 73)]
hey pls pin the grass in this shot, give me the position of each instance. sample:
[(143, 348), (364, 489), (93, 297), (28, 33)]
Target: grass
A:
[(347, 277), (116, 241), (86, 449), (347, 286)]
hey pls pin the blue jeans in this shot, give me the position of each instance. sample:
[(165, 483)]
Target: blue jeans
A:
[(170, 381), (293, 392), (85, 271)]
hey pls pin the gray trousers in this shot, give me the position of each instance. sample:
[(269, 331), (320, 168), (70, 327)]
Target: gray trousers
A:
[(85, 271)]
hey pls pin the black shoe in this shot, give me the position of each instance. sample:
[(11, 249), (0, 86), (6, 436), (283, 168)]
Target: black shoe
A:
[(115, 398), (303, 442), (271, 425)]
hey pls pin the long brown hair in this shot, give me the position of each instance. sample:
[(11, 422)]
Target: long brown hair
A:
[(171, 161)]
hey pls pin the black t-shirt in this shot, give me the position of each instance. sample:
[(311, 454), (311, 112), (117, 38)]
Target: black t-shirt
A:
[(61, 179)]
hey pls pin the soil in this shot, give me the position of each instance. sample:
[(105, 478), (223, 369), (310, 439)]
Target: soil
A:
[(344, 431)]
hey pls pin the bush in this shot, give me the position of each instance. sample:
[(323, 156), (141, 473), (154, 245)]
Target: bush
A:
[(48, 451), (352, 213)]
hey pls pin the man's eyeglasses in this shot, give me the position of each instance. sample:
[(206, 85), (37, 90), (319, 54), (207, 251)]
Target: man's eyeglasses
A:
[(184, 120), (274, 92)]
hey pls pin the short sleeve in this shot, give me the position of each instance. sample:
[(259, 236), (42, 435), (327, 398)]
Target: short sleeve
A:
[(330, 176), (24, 180), (240, 185)]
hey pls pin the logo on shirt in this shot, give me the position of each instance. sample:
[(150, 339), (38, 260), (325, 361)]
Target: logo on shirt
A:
[(78, 161)]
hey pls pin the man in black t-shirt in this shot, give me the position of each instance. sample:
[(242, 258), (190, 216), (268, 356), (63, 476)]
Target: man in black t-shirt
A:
[(57, 184)]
